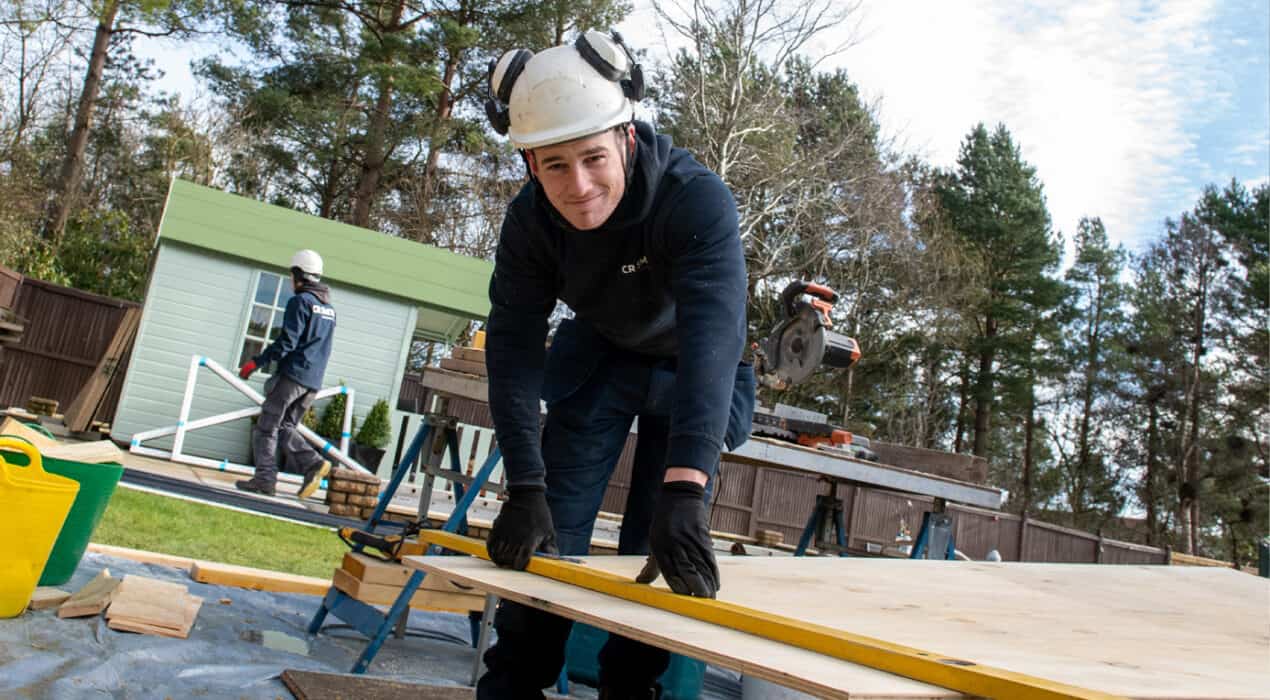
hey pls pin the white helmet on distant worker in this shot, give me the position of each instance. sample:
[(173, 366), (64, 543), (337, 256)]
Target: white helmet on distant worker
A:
[(564, 93), (308, 262)]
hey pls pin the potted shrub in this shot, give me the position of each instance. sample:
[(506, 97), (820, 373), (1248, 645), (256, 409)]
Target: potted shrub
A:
[(330, 424), (373, 437)]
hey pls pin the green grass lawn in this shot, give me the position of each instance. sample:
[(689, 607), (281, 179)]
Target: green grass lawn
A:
[(172, 526)]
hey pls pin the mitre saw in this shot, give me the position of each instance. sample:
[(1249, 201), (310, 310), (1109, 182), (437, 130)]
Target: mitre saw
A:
[(802, 343)]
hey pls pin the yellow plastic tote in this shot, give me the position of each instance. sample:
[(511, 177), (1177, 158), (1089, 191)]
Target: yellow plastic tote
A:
[(33, 506)]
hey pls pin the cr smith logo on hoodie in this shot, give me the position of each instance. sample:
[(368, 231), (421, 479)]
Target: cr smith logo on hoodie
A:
[(636, 266)]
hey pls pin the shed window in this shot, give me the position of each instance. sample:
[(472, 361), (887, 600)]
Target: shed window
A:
[(264, 322)]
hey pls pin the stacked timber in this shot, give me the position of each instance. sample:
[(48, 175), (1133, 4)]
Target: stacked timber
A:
[(351, 493), (466, 360), (379, 582), (11, 327)]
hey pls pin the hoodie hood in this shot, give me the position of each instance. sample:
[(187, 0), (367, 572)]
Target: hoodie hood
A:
[(317, 289), (652, 154)]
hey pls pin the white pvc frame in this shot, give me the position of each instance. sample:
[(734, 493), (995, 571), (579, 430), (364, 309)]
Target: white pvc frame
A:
[(184, 425)]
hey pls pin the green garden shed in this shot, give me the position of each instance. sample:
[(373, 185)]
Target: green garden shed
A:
[(217, 289)]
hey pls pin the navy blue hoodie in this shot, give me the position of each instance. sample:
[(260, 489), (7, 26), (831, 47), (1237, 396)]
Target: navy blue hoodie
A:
[(664, 277), (303, 347)]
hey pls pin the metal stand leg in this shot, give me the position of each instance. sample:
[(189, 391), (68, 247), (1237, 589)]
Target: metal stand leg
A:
[(366, 618), (827, 514), (936, 539), (482, 641)]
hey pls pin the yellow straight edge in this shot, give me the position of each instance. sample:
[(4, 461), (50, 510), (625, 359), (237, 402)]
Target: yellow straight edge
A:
[(927, 667)]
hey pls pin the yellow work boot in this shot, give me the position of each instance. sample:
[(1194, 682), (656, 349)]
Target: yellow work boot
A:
[(312, 479)]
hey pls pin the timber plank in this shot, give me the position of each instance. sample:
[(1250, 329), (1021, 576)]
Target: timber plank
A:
[(1140, 631), (469, 354), (455, 384), (368, 569), (467, 367), (256, 579)]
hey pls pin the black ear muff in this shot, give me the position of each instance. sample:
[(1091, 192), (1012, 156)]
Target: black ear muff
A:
[(498, 96), (631, 80), (634, 88), (515, 66)]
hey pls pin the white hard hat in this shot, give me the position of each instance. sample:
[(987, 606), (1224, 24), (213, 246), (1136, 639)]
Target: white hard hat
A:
[(564, 93), (309, 262)]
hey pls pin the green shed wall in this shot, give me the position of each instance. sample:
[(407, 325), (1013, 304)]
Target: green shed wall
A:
[(197, 303)]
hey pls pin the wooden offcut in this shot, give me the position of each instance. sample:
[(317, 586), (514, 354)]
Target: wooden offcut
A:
[(150, 606), (309, 685), (46, 597), (79, 414), (1139, 631), (16, 428), (93, 598)]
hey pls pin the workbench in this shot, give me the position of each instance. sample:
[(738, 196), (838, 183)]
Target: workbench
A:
[(775, 453)]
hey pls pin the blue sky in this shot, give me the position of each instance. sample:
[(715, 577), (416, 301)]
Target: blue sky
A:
[(1126, 108)]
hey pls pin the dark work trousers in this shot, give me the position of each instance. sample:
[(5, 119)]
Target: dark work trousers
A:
[(285, 403), (581, 442)]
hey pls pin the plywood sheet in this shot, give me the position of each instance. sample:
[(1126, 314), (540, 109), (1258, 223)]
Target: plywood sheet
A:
[(1139, 631)]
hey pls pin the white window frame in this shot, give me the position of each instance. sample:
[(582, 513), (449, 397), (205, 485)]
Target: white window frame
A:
[(275, 312)]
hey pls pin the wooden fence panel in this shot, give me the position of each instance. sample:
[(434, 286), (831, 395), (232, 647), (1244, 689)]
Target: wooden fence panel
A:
[(749, 498), (67, 332), (1053, 543)]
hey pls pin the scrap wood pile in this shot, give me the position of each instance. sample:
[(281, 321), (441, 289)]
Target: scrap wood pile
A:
[(133, 604), (11, 327), (466, 360)]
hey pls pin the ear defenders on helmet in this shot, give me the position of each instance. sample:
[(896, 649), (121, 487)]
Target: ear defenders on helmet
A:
[(501, 77), (601, 52), (609, 56)]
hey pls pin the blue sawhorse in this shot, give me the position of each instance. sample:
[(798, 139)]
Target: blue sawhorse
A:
[(935, 540), (366, 618)]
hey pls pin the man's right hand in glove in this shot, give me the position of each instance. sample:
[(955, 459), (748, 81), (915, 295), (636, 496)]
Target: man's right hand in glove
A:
[(246, 370), (680, 545), (522, 527)]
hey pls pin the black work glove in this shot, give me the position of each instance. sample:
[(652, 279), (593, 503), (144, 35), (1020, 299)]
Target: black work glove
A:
[(522, 527), (680, 542)]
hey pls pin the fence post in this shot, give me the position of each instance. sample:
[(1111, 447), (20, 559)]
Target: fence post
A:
[(759, 474), (1023, 537), (851, 512), (1098, 552)]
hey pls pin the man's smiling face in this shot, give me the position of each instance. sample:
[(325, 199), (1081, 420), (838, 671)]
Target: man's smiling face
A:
[(583, 179)]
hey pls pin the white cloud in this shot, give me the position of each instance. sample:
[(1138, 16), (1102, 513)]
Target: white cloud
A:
[(1097, 94), (1103, 96)]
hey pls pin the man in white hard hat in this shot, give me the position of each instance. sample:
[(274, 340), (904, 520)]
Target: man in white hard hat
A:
[(301, 352), (641, 241)]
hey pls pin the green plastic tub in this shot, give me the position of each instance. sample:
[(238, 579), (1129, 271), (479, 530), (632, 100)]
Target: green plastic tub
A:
[(96, 486)]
